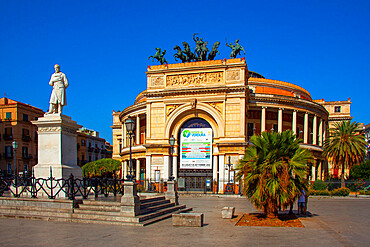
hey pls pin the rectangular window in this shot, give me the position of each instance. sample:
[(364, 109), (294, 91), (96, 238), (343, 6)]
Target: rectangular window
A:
[(24, 152), (250, 129), (8, 115), (8, 151), (275, 127), (337, 109), (25, 117), (25, 168), (9, 170)]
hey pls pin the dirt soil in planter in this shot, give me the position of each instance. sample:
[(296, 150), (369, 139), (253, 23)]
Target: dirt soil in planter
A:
[(255, 219)]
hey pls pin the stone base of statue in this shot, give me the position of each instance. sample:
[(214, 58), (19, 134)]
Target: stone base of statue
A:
[(130, 202), (57, 147), (171, 193)]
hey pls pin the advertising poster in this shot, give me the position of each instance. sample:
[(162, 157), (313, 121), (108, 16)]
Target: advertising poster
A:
[(196, 148)]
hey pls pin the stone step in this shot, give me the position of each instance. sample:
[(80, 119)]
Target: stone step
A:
[(39, 214), (159, 212), (152, 199), (99, 208), (153, 203), (116, 218), (100, 203), (97, 212), (165, 216), (147, 210)]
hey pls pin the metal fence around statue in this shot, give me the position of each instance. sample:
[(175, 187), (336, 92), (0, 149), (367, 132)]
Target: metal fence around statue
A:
[(18, 186)]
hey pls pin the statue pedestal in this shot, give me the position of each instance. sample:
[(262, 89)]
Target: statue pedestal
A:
[(57, 147), (130, 202), (171, 193)]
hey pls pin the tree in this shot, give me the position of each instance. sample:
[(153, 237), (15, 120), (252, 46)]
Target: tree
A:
[(101, 167), (345, 146), (361, 171), (274, 170)]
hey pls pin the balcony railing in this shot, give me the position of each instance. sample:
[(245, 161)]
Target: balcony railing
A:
[(26, 138), (97, 150), (8, 155), (7, 137), (90, 149), (27, 156)]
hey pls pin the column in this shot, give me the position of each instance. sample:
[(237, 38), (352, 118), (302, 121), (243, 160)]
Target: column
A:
[(294, 122), (263, 119), (324, 132), (125, 169), (174, 160), (313, 172), (320, 132), (148, 167), (137, 169), (215, 164), (137, 130), (314, 131), (221, 173), (122, 170), (305, 131), (124, 133), (280, 120), (166, 167)]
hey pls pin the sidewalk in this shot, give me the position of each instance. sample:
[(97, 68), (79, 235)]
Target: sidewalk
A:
[(334, 222)]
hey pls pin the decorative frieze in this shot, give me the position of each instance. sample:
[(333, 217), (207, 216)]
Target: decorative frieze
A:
[(233, 75), (170, 109), (157, 81), (57, 129), (217, 106), (196, 79)]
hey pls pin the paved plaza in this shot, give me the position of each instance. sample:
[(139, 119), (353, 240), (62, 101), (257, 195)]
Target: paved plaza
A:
[(334, 222)]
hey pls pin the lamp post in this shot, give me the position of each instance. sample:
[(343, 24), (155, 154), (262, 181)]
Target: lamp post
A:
[(15, 147), (130, 125), (172, 143), (229, 165)]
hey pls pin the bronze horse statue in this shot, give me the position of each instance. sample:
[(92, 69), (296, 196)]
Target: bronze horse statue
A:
[(180, 54), (235, 49), (159, 56), (214, 51), (190, 56)]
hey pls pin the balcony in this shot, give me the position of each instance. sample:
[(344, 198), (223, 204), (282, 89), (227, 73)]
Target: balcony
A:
[(97, 150), (8, 137), (8, 155), (27, 156), (26, 138), (90, 149)]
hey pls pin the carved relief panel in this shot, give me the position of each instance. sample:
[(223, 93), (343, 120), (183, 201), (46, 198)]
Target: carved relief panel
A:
[(196, 79)]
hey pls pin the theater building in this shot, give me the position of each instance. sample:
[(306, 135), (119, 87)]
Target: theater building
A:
[(211, 108)]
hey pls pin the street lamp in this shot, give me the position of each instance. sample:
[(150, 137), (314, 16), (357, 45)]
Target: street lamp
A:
[(130, 125), (15, 147), (172, 143)]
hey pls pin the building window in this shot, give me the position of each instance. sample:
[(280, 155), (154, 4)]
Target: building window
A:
[(24, 152), (8, 135), (337, 109), (9, 170), (8, 151), (83, 143), (25, 117), (250, 129), (25, 168), (8, 115)]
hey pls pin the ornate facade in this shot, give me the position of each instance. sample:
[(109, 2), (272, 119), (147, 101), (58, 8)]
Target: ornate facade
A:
[(221, 95)]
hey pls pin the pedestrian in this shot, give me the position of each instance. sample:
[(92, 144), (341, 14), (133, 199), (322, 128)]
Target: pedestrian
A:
[(302, 203)]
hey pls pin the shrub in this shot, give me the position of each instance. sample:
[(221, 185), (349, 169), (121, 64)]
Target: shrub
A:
[(341, 192), (363, 192), (319, 192), (319, 185)]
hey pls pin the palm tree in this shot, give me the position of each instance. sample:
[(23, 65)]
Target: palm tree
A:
[(274, 170), (345, 146)]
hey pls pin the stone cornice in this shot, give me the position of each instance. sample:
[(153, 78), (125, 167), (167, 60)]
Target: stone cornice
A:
[(132, 108), (192, 91), (288, 100), (282, 83)]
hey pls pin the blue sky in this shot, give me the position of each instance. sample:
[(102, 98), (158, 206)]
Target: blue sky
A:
[(103, 48)]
